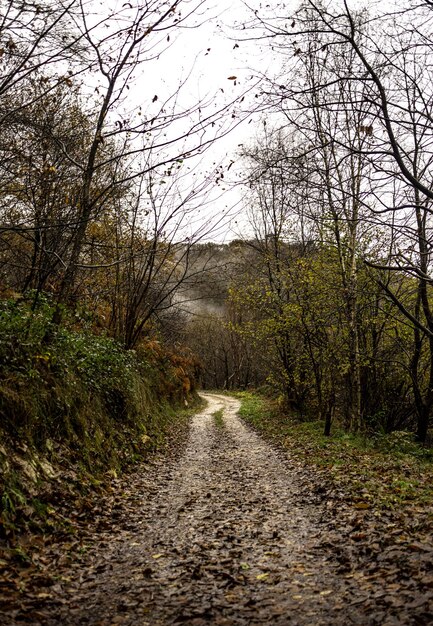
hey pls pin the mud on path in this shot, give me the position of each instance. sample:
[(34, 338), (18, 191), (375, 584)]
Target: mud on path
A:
[(223, 535)]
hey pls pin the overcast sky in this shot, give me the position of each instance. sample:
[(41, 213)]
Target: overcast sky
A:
[(204, 55), (209, 54)]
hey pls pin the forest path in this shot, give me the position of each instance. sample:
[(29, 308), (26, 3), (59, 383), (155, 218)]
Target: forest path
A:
[(223, 535)]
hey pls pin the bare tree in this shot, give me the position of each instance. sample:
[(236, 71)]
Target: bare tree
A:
[(383, 89), (114, 164)]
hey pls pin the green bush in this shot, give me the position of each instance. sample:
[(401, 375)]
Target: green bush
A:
[(76, 385), (76, 401), (45, 385)]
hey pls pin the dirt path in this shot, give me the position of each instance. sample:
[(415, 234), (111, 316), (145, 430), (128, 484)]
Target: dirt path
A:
[(225, 535)]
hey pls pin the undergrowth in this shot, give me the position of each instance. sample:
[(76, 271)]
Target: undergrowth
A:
[(384, 471), (218, 418), (75, 407)]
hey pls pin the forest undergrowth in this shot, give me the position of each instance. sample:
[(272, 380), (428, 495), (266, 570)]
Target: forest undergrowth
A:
[(76, 411)]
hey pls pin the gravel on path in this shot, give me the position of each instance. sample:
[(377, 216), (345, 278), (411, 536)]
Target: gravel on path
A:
[(224, 535)]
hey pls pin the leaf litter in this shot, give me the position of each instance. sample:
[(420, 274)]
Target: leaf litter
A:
[(229, 531)]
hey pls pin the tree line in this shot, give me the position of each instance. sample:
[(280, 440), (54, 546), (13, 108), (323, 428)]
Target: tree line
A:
[(330, 302), (98, 189), (339, 292)]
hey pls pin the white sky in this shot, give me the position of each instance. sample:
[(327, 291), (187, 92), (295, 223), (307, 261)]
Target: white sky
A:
[(208, 55)]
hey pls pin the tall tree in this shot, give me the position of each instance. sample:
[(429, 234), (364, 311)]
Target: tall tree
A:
[(375, 68)]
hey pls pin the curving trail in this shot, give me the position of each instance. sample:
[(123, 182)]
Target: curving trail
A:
[(223, 535)]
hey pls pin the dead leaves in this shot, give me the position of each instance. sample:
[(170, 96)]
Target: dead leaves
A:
[(234, 534), (361, 505)]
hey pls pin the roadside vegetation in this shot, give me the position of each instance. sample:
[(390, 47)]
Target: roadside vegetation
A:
[(76, 410), (218, 418), (331, 303), (93, 248), (384, 471)]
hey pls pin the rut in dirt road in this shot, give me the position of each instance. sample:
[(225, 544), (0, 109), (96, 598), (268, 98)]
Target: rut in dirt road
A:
[(221, 537)]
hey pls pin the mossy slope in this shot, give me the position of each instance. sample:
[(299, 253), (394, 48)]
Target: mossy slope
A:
[(75, 408)]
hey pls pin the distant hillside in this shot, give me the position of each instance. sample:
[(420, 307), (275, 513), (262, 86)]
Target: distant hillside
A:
[(211, 267)]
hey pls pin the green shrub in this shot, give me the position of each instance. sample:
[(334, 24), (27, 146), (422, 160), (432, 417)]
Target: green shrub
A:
[(75, 399), (78, 386)]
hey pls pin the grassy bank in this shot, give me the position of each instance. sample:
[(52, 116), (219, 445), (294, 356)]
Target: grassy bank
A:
[(384, 472), (374, 497), (76, 410)]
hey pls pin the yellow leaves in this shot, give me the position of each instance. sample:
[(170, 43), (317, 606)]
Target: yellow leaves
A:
[(43, 357), (361, 505), (49, 169), (231, 597), (272, 554), (263, 576), (95, 230)]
